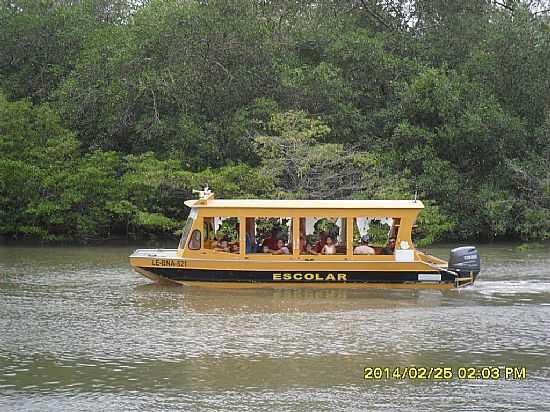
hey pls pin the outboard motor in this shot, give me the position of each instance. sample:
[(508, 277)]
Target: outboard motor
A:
[(465, 260)]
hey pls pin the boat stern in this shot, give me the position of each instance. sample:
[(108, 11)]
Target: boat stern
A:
[(465, 260), (464, 265)]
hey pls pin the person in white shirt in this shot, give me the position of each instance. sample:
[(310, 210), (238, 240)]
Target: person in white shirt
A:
[(329, 248), (364, 248)]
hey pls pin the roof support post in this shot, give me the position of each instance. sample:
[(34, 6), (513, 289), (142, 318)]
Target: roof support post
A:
[(295, 236), (349, 236), (242, 235)]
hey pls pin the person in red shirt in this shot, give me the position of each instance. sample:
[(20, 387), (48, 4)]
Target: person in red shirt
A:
[(320, 243), (271, 242)]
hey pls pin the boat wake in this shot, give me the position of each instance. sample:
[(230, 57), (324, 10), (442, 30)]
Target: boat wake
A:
[(512, 288)]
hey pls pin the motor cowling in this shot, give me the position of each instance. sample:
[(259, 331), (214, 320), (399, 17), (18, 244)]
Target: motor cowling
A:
[(465, 260)]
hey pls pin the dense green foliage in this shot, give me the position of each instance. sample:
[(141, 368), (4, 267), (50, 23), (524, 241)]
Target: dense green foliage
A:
[(112, 111)]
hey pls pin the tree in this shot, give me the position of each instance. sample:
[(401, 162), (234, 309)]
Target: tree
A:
[(40, 42)]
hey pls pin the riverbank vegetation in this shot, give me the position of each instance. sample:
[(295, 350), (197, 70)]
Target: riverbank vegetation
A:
[(112, 111)]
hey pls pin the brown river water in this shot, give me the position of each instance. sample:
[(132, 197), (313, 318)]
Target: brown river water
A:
[(79, 330)]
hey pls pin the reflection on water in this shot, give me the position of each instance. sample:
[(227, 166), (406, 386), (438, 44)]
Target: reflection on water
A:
[(80, 330)]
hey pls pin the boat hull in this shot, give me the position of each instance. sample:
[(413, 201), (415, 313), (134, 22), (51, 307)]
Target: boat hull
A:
[(164, 266), (274, 279)]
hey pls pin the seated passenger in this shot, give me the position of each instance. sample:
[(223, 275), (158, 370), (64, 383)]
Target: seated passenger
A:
[(320, 244), (281, 249), (248, 244), (303, 245), (271, 242), (248, 241), (329, 248), (235, 248), (216, 242), (223, 246), (195, 242), (364, 248), (265, 249), (311, 250), (390, 247)]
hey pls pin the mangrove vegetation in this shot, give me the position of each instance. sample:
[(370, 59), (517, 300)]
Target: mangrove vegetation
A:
[(112, 111)]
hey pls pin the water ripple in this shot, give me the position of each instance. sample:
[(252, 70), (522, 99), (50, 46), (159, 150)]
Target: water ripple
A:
[(81, 331)]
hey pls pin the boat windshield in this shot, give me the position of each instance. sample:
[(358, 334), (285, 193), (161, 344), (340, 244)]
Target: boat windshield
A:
[(187, 228)]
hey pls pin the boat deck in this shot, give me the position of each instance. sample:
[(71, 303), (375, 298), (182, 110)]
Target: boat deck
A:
[(157, 253)]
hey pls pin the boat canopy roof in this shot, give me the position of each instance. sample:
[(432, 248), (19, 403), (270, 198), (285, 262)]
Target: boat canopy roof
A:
[(305, 204)]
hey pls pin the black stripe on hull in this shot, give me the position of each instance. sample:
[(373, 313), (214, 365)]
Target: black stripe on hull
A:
[(205, 275)]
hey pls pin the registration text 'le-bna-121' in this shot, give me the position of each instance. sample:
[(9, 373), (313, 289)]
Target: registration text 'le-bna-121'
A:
[(304, 243)]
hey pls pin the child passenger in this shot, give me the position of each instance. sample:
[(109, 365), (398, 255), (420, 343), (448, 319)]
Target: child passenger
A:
[(329, 248), (223, 246), (281, 249)]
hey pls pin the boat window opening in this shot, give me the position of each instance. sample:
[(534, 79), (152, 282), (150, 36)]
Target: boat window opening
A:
[(373, 235), (271, 235), (221, 234), (208, 230), (195, 241), (323, 236), (187, 228)]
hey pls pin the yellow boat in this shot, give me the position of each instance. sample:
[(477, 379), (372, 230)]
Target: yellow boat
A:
[(304, 243)]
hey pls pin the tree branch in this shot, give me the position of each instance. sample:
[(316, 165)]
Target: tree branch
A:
[(376, 16)]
